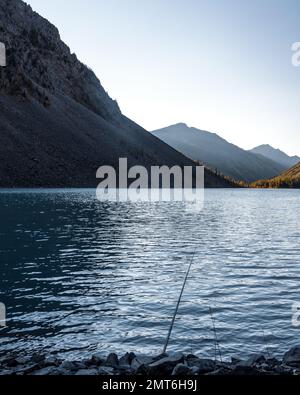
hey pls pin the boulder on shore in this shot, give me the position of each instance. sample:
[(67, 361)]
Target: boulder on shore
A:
[(161, 365), (292, 357)]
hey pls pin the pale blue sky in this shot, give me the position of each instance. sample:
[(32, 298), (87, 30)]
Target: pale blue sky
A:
[(219, 65)]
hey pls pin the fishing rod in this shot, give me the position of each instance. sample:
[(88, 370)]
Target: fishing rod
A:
[(217, 344), (178, 303)]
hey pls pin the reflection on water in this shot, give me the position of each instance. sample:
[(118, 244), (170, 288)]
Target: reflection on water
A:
[(78, 275)]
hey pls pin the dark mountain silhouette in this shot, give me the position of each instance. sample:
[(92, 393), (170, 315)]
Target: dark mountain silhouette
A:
[(57, 123), (218, 153), (276, 154), (288, 179)]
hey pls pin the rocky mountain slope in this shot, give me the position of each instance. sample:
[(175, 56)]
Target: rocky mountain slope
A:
[(287, 179), (218, 153), (57, 123), (276, 155)]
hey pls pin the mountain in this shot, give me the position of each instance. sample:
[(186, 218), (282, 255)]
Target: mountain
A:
[(57, 123), (277, 155), (288, 179), (218, 153)]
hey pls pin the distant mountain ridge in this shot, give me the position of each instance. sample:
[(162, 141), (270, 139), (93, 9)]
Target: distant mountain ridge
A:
[(57, 123), (217, 153), (276, 154), (288, 179)]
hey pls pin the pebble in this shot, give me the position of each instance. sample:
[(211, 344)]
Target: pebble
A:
[(161, 365)]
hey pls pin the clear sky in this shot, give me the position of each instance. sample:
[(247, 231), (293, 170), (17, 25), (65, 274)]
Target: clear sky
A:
[(219, 65)]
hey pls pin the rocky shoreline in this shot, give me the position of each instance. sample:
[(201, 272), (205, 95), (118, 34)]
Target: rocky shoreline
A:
[(162, 365)]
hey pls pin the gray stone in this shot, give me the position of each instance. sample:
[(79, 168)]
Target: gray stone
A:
[(67, 365), (165, 365), (38, 358), (89, 362), (141, 361), (112, 360), (106, 370), (3, 359), (23, 360), (235, 360), (182, 370), (48, 371), (292, 357), (26, 369), (126, 359), (244, 370), (242, 363), (283, 370), (219, 372), (97, 359), (87, 372), (256, 359), (224, 365), (204, 365), (190, 357), (272, 362), (129, 364), (79, 365), (195, 371), (265, 367), (51, 361), (11, 362)]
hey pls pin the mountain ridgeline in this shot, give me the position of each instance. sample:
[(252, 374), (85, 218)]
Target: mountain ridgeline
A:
[(217, 153), (57, 123), (276, 155), (288, 179)]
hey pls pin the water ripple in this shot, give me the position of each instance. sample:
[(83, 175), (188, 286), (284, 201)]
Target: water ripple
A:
[(78, 275)]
